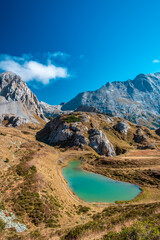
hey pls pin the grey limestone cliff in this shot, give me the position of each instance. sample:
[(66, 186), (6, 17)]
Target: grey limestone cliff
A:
[(136, 100), (17, 99)]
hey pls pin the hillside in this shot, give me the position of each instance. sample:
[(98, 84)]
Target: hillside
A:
[(108, 136), (135, 100), (32, 186), (35, 199)]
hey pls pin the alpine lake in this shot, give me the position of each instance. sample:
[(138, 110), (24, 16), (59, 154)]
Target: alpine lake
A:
[(91, 187)]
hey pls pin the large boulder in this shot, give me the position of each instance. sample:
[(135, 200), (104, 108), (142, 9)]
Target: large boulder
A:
[(100, 143), (122, 127), (140, 138), (13, 121), (58, 132), (66, 131)]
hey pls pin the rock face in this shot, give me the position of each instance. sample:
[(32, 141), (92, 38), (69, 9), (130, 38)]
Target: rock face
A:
[(60, 131), (97, 131), (136, 100), (122, 127), (17, 99), (52, 110), (100, 143), (140, 138), (13, 121)]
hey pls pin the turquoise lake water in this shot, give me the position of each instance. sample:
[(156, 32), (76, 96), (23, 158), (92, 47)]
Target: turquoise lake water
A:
[(92, 187)]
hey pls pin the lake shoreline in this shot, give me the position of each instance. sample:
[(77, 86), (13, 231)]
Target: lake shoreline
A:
[(110, 182)]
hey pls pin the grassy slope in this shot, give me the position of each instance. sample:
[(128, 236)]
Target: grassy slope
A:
[(31, 186)]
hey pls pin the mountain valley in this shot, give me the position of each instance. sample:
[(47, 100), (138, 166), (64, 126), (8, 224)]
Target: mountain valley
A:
[(36, 201)]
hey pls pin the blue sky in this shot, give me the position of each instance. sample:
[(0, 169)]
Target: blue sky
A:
[(63, 47)]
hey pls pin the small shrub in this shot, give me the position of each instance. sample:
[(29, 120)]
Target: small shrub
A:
[(2, 206), (3, 134), (82, 209), (72, 118), (6, 161), (2, 225), (49, 118)]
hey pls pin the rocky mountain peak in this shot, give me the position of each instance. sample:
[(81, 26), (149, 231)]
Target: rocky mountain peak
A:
[(136, 100), (7, 77), (17, 99)]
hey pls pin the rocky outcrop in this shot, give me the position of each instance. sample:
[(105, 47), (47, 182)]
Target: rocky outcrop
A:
[(139, 131), (11, 222), (122, 127), (12, 121), (17, 99), (135, 100), (60, 131), (100, 143), (140, 138), (96, 131)]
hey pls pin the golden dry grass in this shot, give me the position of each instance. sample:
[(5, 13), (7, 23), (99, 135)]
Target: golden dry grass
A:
[(16, 143)]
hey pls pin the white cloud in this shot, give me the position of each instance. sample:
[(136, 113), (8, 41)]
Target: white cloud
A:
[(32, 70), (155, 61)]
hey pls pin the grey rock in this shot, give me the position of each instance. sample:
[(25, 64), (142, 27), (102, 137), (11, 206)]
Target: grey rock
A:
[(139, 131), (74, 127), (17, 99), (100, 143), (10, 221), (140, 138), (13, 121), (57, 132), (135, 100), (122, 127), (146, 146)]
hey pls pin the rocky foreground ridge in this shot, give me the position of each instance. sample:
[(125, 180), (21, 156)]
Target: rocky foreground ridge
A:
[(135, 100), (17, 100), (108, 136)]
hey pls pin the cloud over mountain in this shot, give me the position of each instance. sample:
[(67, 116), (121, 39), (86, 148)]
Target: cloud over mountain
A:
[(30, 69)]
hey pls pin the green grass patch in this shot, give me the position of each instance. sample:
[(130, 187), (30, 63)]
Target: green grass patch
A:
[(72, 118)]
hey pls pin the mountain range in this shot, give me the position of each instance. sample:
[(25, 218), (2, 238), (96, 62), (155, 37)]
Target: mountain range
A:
[(135, 100), (37, 202)]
